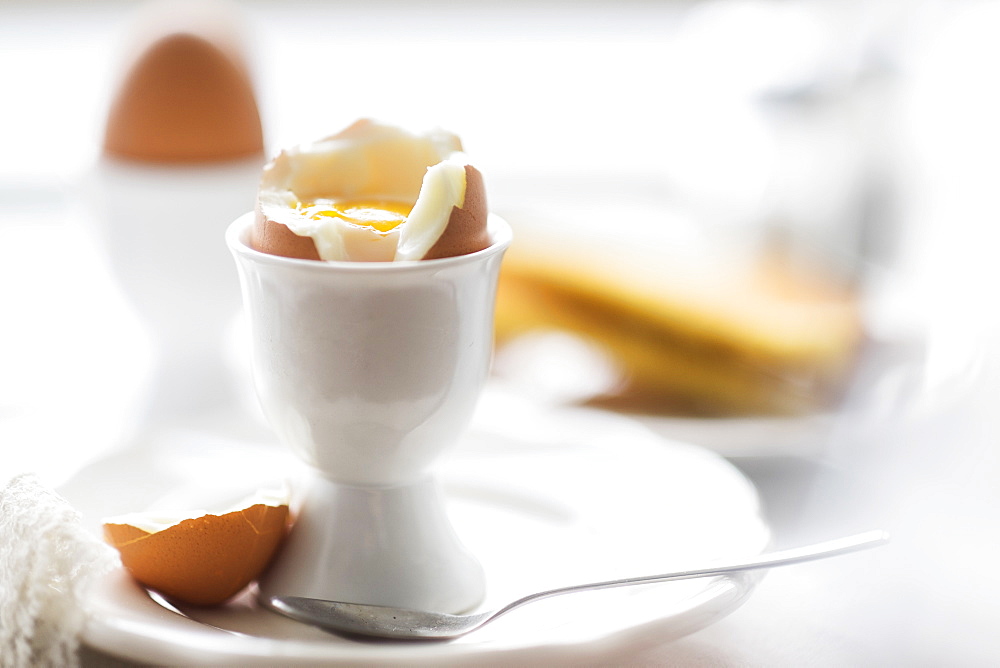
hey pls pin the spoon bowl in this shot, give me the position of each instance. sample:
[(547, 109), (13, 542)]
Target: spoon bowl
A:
[(405, 624)]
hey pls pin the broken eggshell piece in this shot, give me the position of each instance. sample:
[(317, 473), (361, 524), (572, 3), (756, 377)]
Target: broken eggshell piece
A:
[(199, 557), (372, 192)]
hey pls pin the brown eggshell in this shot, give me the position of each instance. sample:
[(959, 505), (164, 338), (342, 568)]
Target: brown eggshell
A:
[(466, 230), (184, 100), (276, 239), (206, 560)]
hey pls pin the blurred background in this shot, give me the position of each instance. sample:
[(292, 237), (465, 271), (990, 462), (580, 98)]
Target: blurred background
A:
[(767, 227)]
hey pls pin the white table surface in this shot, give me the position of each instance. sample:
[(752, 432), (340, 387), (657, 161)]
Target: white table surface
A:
[(915, 449)]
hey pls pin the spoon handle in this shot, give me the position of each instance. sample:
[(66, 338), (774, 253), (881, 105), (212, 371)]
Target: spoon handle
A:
[(830, 548)]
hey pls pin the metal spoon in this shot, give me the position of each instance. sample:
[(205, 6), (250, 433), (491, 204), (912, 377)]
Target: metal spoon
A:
[(401, 623)]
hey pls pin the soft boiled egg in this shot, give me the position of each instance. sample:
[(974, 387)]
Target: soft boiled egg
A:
[(198, 557), (372, 193)]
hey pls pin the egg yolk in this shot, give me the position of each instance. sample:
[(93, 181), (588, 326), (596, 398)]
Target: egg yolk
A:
[(380, 215)]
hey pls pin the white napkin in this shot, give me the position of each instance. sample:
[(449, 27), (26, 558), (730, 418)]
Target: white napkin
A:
[(47, 561)]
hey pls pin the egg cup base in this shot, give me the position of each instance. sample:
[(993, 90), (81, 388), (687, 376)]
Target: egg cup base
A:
[(379, 545)]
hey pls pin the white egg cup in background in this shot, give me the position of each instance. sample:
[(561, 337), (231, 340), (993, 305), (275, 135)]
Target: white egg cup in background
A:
[(370, 372), (160, 227)]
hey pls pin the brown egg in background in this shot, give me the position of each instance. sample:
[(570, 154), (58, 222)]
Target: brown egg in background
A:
[(186, 95)]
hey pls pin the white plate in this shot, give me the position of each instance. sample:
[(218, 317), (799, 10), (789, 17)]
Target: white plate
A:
[(543, 498)]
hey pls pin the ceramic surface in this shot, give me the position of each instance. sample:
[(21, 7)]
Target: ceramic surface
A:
[(370, 372), (544, 499), (159, 226)]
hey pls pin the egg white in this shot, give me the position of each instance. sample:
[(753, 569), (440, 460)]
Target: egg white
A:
[(365, 162)]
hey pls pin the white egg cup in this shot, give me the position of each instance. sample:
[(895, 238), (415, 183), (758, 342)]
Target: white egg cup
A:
[(160, 227), (370, 372)]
